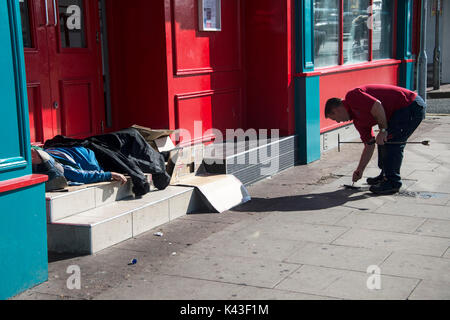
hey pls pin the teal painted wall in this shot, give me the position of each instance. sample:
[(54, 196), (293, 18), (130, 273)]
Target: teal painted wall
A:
[(405, 13), (23, 233), (23, 240), (307, 89), (307, 118)]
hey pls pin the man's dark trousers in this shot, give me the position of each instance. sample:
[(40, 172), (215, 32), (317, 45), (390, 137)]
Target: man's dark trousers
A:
[(400, 127)]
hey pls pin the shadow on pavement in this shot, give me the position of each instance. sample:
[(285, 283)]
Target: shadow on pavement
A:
[(306, 202)]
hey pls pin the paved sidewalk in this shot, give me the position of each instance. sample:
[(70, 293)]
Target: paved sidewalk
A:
[(301, 237)]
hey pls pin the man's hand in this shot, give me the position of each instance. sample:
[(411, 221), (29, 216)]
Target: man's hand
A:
[(382, 137), (118, 177), (357, 175)]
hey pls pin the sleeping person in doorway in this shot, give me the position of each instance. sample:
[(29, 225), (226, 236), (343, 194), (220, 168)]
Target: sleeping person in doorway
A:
[(75, 164)]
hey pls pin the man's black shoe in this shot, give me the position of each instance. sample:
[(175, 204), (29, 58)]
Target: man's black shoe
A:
[(384, 188), (375, 180)]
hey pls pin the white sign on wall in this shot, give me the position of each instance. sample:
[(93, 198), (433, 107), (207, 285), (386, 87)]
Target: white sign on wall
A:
[(210, 15)]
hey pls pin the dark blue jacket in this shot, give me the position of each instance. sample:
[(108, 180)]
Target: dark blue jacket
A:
[(80, 164)]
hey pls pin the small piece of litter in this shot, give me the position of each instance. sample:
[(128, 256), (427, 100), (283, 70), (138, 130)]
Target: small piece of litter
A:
[(133, 262), (158, 234), (174, 253)]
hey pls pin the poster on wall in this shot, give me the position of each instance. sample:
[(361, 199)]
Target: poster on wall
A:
[(210, 16)]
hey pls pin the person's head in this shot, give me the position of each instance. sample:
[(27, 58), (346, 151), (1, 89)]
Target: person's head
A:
[(335, 110), (35, 157)]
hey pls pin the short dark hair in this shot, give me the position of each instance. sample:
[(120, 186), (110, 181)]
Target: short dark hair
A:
[(332, 104)]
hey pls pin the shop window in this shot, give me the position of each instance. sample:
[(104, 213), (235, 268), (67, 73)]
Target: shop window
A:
[(26, 25), (367, 31), (356, 31), (72, 26), (382, 29), (326, 33)]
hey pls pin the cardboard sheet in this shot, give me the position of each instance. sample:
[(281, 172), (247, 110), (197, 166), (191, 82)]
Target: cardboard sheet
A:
[(222, 192)]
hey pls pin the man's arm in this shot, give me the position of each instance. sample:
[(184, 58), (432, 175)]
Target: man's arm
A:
[(365, 158), (85, 176), (380, 116)]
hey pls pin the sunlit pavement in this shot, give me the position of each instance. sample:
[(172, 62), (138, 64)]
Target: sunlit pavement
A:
[(302, 236)]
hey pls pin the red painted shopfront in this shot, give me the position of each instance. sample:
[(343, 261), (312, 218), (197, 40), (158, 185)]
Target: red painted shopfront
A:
[(164, 72), (148, 63)]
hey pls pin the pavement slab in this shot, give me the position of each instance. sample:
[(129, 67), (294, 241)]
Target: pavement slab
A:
[(321, 217), (431, 290), (255, 293), (447, 254), (246, 247), (339, 257), (394, 241), (412, 209), (293, 231), (382, 222), (163, 287), (231, 269), (417, 266), (435, 228), (346, 284)]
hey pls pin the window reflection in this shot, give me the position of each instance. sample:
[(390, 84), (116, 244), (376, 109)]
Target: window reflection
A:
[(356, 31), (382, 28), (71, 20), (26, 26), (326, 33)]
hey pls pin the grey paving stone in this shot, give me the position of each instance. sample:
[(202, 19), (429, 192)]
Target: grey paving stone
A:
[(341, 257), (163, 287), (381, 222), (431, 290), (325, 217), (411, 209), (30, 295), (417, 266), (447, 254), (291, 231), (253, 293), (436, 228), (251, 247), (231, 269), (407, 243), (346, 284)]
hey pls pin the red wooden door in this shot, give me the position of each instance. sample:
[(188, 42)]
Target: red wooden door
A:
[(69, 62), (34, 28)]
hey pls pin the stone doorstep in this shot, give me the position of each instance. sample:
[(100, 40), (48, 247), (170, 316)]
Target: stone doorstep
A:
[(79, 199), (99, 228)]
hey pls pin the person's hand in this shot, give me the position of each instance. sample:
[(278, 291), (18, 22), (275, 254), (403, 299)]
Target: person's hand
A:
[(357, 175), (118, 177), (382, 137)]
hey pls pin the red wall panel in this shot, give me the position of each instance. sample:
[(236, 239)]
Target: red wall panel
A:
[(200, 52), (138, 63), (338, 84), (268, 61), (204, 68)]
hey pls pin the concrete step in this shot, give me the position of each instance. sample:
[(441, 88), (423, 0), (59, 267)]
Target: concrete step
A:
[(101, 227), (86, 197)]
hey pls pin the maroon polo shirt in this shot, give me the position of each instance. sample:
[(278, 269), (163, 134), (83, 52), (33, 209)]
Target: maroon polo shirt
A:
[(359, 102)]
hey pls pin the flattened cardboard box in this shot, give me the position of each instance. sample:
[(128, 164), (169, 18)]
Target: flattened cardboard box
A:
[(221, 192)]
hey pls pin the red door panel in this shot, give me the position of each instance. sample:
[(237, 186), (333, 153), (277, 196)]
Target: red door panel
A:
[(75, 67), (63, 67), (76, 98), (37, 69)]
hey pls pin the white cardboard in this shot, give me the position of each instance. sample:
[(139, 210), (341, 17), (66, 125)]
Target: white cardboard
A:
[(223, 192)]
